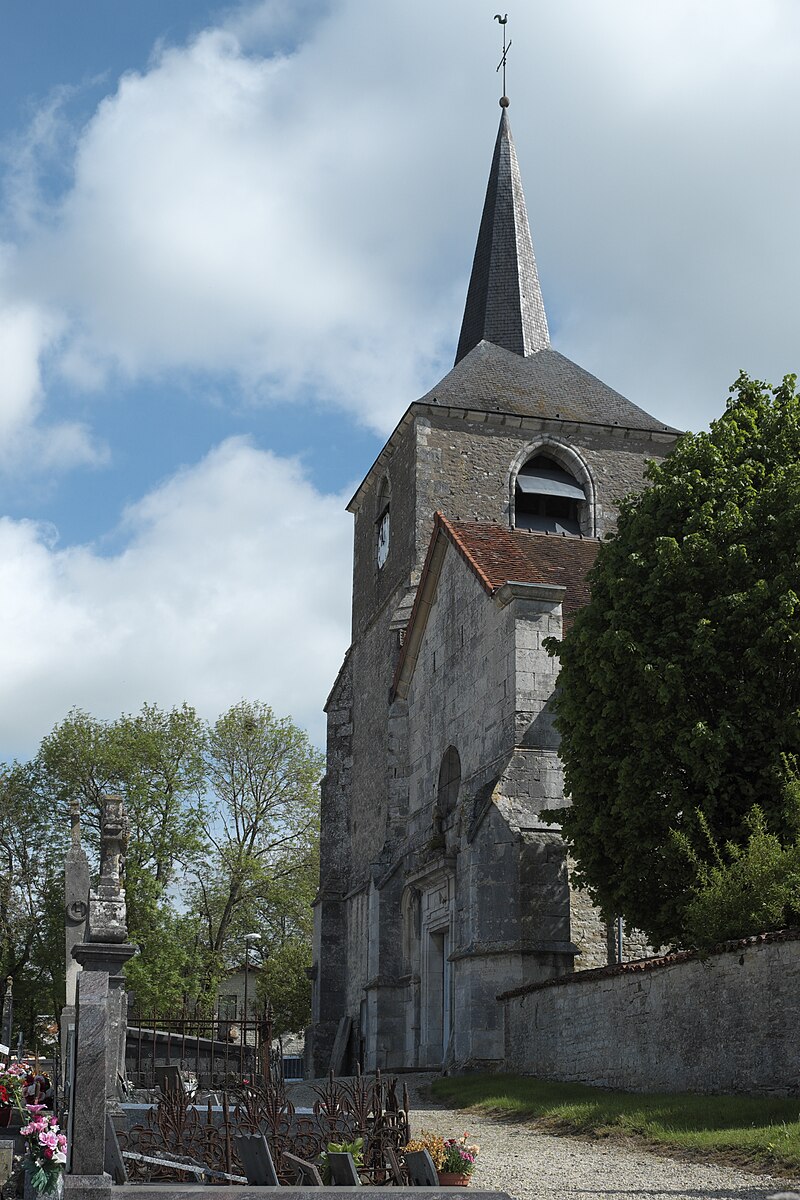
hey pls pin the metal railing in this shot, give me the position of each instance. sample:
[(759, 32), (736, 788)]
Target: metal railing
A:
[(219, 1053)]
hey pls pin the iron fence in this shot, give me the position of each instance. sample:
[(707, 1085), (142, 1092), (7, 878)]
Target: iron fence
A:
[(219, 1053), (369, 1108)]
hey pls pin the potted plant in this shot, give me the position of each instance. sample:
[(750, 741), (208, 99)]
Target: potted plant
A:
[(458, 1163), (355, 1148), (453, 1158)]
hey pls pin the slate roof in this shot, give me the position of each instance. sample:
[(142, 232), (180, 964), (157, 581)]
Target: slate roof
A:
[(498, 555), (504, 299), (548, 385)]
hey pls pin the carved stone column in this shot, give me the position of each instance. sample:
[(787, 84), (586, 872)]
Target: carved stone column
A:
[(76, 910), (101, 1013)]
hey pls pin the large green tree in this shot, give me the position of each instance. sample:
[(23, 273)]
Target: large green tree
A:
[(224, 826), (679, 689), (33, 840), (154, 759), (262, 826)]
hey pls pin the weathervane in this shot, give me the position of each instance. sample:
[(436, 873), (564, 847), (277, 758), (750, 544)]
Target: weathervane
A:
[(504, 101)]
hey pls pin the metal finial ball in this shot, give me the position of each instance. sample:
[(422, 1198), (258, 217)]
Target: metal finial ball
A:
[(504, 101)]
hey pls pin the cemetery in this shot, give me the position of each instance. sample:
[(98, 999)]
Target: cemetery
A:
[(496, 910), (210, 1113)]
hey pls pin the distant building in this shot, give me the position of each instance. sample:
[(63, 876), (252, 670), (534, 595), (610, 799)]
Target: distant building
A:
[(231, 996), (440, 883)]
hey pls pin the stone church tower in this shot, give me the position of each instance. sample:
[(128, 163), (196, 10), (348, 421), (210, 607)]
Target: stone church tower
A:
[(440, 885)]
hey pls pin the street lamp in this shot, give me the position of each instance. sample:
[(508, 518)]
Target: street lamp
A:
[(248, 938)]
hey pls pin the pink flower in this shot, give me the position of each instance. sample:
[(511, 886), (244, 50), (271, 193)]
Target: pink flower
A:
[(62, 1142), (27, 1131), (49, 1139), (34, 1108)]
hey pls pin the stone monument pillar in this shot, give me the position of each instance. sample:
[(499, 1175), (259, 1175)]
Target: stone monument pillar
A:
[(76, 910), (8, 1013), (101, 1013)]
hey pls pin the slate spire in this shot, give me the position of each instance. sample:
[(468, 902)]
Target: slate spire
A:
[(504, 299)]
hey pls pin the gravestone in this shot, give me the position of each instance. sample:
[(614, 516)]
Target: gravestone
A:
[(101, 1015), (307, 1173), (421, 1171), (76, 910), (340, 1045), (343, 1169), (8, 1014), (255, 1157), (6, 1160)]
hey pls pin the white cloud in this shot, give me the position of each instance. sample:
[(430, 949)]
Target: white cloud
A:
[(306, 220), (233, 581), (215, 223), (23, 332), (305, 223)]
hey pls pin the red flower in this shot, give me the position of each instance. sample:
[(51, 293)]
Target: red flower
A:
[(4, 1095)]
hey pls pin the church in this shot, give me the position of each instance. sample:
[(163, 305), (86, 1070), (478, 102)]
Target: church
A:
[(441, 885)]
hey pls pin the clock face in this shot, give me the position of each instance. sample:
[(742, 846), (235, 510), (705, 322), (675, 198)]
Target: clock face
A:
[(383, 539)]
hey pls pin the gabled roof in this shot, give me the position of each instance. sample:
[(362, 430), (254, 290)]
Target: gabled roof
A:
[(546, 385), (499, 555), (496, 555), (504, 299)]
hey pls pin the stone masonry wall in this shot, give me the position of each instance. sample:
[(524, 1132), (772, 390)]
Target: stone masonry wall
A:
[(462, 468), (469, 465), (461, 694), (724, 1024)]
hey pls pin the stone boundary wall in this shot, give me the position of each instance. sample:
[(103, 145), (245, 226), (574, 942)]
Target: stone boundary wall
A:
[(722, 1023)]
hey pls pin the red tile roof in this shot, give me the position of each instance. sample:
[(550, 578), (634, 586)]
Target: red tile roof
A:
[(498, 555)]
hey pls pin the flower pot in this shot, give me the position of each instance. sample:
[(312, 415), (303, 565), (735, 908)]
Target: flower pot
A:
[(56, 1194), (452, 1179), (5, 1116)]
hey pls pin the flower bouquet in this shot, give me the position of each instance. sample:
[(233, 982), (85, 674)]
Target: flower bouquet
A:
[(453, 1158), (12, 1083), (47, 1148)]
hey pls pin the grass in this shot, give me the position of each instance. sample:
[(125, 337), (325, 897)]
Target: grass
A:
[(758, 1133)]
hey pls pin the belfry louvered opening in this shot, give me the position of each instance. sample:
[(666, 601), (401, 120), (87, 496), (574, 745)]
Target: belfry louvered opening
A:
[(547, 498)]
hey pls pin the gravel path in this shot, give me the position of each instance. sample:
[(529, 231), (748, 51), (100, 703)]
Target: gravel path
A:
[(538, 1166)]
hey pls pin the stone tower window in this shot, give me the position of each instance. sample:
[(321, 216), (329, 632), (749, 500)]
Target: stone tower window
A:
[(382, 525), (547, 497), (449, 781)]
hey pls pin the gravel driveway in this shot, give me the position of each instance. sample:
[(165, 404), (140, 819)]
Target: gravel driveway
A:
[(528, 1164)]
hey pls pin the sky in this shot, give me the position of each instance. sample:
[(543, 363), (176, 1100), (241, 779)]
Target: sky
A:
[(235, 242)]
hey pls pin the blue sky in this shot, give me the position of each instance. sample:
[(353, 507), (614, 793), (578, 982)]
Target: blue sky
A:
[(234, 245)]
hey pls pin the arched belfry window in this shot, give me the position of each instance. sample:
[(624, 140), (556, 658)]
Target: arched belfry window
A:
[(382, 525), (547, 497), (449, 781)]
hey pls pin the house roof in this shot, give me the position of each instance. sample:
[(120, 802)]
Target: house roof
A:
[(504, 299), (496, 555), (499, 555), (547, 385)]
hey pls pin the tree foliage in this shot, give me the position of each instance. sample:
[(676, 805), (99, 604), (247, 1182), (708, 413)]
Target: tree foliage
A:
[(680, 681), (33, 840), (223, 841), (262, 828), (740, 891), (154, 759)]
